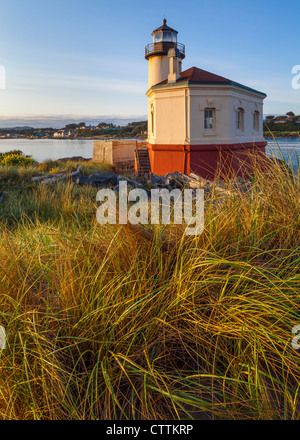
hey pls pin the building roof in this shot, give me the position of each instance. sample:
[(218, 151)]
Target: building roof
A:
[(199, 76), (164, 27)]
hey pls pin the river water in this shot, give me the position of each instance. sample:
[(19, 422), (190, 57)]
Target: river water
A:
[(42, 149)]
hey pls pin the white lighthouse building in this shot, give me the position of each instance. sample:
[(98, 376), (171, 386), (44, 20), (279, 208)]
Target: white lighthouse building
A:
[(197, 121)]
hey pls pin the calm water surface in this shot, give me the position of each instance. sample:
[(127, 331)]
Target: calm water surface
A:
[(287, 149), (42, 149)]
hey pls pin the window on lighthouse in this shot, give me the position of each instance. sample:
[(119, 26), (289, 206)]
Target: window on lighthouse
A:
[(152, 119), (256, 121), (157, 37), (209, 118), (240, 119)]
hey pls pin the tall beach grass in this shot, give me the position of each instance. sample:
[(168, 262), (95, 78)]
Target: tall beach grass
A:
[(118, 322)]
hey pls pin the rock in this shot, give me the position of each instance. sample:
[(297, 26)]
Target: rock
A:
[(103, 179), (98, 180), (157, 180), (80, 179), (180, 180), (73, 159), (176, 180)]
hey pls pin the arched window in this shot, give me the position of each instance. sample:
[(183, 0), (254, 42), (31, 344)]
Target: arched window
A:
[(152, 119), (240, 119), (256, 121)]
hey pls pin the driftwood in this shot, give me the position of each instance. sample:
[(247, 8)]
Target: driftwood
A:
[(54, 177), (194, 177), (180, 180), (193, 181)]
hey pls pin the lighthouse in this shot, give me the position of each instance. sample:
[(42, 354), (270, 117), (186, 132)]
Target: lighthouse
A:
[(198, 121)]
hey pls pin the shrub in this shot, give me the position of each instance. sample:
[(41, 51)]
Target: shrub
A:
[(17, 152), (16, 160)]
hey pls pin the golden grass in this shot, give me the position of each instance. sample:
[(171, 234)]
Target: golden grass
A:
[(111, 322)]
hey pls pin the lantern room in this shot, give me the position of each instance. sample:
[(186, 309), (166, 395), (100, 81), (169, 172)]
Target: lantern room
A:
[(164, 33)]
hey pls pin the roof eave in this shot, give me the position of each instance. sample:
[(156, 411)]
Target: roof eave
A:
[(214, 83), (163, 28)]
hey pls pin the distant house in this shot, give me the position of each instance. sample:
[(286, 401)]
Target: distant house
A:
[(58, 134), (64, 134), (280, 119), (61, 133)]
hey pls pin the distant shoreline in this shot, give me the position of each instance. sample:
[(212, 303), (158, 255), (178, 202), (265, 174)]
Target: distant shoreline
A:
[(72, 139), (283, 136), (99, 138), (279, 136)]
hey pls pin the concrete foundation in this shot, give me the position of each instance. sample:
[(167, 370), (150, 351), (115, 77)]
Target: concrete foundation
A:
[(119, 152)]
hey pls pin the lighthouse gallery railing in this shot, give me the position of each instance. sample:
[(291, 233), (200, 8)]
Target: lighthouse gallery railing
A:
[(163, 47)]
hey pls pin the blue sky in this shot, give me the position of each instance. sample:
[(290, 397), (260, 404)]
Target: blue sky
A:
[(86, 59)]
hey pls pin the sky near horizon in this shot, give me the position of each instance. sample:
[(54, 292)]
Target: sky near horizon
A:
[(67, 59)]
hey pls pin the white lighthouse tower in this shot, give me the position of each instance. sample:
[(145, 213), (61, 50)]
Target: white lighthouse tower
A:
[(164, 39)]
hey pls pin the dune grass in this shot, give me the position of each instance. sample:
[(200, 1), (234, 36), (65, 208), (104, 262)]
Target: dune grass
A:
[(118, 322)]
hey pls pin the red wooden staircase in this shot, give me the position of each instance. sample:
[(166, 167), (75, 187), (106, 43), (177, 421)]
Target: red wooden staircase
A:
[(142, 160)]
